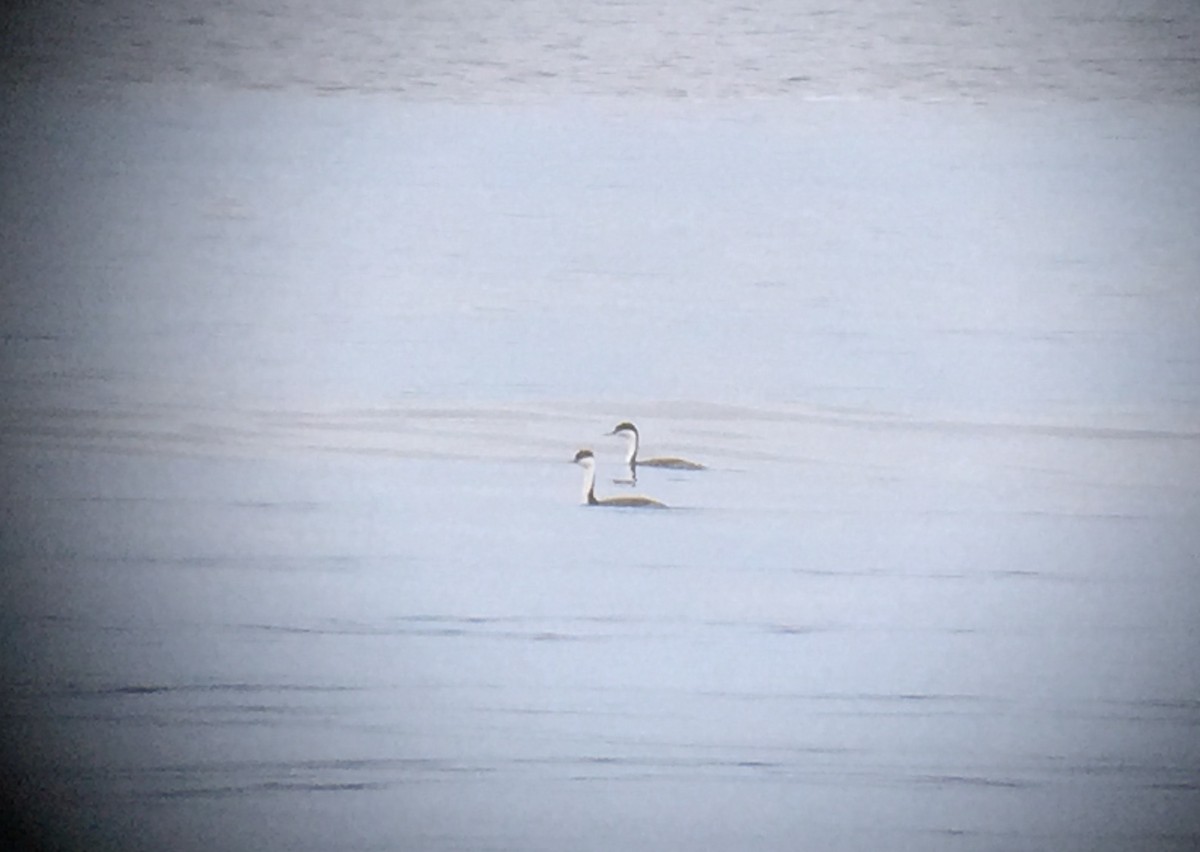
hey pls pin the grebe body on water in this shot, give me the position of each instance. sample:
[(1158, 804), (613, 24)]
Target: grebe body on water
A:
[(630, 433), (587, 460)]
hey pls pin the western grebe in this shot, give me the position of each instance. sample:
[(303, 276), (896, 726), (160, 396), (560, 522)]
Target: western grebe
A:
[(587, 460), (630, 433)]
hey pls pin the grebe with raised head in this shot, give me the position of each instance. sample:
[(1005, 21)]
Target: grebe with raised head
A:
[(587, 460), (630, 433)]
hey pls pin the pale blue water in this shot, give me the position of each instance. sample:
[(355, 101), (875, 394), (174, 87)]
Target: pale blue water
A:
[(293, 553)]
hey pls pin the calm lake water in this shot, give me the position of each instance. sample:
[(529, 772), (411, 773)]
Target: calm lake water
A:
[(306, 313)]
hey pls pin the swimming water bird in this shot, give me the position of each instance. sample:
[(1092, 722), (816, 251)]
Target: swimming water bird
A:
[(630, 433), (587, 460)]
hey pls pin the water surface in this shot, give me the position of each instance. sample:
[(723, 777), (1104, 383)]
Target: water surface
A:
[(293, 555)]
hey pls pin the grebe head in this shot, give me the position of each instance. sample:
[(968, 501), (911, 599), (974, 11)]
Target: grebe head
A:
[(624, 426), (585, 458)]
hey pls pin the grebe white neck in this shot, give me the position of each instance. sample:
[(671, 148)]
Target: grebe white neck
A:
[(631, 447), (630, 433), (587, 461), (589, 479)]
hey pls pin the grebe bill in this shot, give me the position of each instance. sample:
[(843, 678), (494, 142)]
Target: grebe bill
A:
[(630, 433), (587, 460)]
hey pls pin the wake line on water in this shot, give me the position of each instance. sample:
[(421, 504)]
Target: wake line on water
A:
[(519, 432)]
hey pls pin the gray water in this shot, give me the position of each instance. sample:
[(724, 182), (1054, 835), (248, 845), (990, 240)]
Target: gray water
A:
[(306, 312)]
